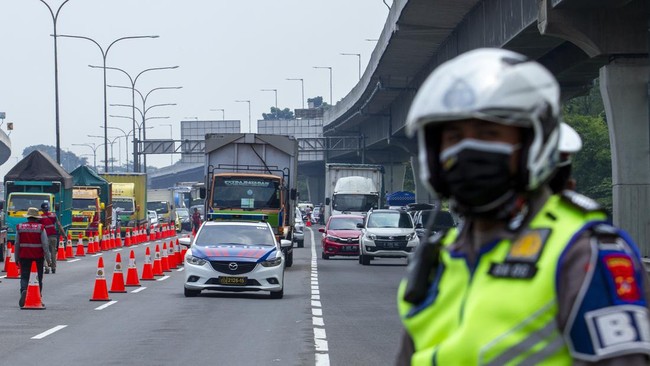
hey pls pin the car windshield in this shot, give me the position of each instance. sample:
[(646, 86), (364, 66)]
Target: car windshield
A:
[(345, 223), (214, 235), (390, 220)]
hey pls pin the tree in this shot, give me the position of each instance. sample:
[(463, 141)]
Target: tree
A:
[(317, 102), (69, 160), (277, 113)]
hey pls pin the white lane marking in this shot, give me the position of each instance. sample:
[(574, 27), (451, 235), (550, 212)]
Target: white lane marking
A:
[(321, 348), (97, 254), (180, 269), (73, 260), (106, 305), (138, 290), (49, 331), (3, 276), (162, 278)]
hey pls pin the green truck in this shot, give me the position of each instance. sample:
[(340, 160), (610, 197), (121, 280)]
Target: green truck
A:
[(129, 199), (33, 181), (92, 203)]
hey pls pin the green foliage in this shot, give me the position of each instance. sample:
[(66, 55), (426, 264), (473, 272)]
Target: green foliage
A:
[(592, 166), (277, 113), (69, 160)]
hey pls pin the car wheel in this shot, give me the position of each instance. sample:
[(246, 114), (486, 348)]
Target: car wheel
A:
[(301, 244), (364, 259), (324, 256), (289, 262), (192, 293), (277, 294)]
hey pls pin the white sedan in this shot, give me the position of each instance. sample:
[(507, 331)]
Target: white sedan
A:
[(234, 256)]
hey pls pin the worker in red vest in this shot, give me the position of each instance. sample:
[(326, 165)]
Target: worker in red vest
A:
[(31, 246), (51, 223)]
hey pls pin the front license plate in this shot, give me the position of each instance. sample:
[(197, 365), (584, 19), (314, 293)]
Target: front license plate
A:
[(234, 281)]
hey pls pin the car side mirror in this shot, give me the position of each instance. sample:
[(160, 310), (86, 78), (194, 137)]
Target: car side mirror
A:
[(360, 225), (186, 242), (284, 243), (321, 229)]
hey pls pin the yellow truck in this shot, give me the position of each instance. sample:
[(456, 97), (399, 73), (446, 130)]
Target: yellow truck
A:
[(86, 212), (129, 198)]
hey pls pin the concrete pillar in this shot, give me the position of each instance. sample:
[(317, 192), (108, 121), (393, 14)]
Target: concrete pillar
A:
[(422, 194), (316, 189), (394, 177), (624, 87)]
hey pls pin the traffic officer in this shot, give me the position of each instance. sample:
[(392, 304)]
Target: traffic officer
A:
[(51, 223), (530, 277), (31, 246)]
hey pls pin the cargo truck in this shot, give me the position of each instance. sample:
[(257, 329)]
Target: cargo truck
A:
[(129, 198), (352, 188), (162, 201), (86, 181), (253, 176), (32, 181)]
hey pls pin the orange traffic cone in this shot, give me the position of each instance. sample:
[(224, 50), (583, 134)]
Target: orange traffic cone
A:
[(80, 246), (100, 292), (91, 244), (7, 255), (171, 256), (97, 248), (157, 263), (33, 299), (132, 272), (68, 247), (147, 269), (117, 284), (179, 256), (183, 251), (118, 240), (12, 268), (127, 239), (165, 259), (60, 254)]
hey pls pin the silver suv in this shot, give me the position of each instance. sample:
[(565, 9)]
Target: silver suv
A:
[(387, 233)]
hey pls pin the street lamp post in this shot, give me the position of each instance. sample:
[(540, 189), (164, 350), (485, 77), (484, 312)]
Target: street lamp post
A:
[(223, 113), (250, 128), (359, 56), (111, 140), (302, 84), (276, 95), (55, 18), (104, 56), (136, 164), (94, 148), (126, 142), (330, 69)]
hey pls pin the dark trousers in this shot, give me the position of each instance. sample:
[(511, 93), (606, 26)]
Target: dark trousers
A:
[(25, 270)]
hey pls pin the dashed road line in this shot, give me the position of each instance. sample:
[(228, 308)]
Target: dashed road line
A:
[(106, 305), (138, 290), (162, 278), (49, 331), (321, 348)]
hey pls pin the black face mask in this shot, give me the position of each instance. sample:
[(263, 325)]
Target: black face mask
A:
[(560, 179), (478, 175)]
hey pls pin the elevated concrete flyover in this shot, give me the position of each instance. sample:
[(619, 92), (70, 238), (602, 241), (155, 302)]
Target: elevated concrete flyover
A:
[(578, 40)]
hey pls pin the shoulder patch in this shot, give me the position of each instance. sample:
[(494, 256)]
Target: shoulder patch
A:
[(580, 201)]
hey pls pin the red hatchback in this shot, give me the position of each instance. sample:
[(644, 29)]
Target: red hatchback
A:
[(341, 236)]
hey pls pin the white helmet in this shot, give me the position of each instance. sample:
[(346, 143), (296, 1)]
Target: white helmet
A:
[(493, 85), (570, 141)]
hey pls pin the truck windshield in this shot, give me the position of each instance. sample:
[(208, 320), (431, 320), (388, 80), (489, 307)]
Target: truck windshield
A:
[(245, 192), (125, 205), (354, 202), (161, 207), (83, 204), (25, 201)]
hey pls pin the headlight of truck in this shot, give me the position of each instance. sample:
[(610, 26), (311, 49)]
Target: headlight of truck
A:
[(273, 262), (371, 236), (195, 261), (411, 236)]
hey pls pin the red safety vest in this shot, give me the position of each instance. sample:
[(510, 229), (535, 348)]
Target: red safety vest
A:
[(29, 240), (49, 220)]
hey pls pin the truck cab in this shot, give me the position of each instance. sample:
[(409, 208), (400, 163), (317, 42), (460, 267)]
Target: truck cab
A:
[(86, 212), (17, 205)]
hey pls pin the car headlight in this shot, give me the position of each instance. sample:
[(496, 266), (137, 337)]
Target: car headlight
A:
[(195, 260), (371, 236), (411, 236), (274, 262), (332, 238)]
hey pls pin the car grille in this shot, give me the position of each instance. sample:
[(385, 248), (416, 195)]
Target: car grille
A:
[(347, 240), (393, 238), (224, 267)]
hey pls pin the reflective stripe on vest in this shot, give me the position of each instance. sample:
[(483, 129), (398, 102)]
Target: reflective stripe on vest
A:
[(29, 240), (475, 318)]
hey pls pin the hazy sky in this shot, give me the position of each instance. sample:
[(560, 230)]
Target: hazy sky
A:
[(225, 50)]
